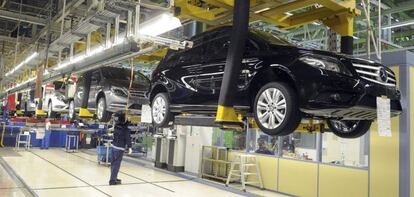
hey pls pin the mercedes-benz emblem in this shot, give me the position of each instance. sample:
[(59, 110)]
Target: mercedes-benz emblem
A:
[(383, 75)]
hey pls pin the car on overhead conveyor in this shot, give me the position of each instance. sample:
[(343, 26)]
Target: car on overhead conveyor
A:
[(55, 100), (279, 84), (109, 91), (28, 104)]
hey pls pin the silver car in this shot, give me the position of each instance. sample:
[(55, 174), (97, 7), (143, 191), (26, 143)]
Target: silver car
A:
[(109, 91)]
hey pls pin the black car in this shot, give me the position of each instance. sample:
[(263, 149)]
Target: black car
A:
[(109, 92), (280, 83)]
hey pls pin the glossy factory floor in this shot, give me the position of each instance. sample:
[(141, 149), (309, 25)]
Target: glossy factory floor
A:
[(54, 173)]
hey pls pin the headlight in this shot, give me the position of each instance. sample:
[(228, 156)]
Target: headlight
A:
[(118, 92), (61, 97), (325, 63)]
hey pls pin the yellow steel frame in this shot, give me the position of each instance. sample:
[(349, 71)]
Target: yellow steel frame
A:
[(85, 113), (337, 15)]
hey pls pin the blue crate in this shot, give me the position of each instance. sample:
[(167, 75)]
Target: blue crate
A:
[(101, 150)]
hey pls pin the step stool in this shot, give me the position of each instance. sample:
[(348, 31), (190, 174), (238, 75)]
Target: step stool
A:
[(71, 139), (244, 162), (23, 138)]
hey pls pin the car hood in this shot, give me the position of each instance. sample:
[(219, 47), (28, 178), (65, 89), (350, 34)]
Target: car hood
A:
[(300, 51), (125, 84)]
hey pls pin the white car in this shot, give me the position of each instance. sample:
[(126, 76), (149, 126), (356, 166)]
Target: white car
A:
[(54, 98)]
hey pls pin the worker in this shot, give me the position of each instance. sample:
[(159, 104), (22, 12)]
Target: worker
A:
[(263, 148), (46, 138), (122, 140)]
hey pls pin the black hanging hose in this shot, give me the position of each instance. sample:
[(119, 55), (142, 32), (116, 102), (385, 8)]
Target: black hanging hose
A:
[(225, 110)]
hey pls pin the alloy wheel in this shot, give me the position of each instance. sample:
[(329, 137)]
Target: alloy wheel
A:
[(49, 111), (101, 108), (71, 109), (159, 110), (271, 108)]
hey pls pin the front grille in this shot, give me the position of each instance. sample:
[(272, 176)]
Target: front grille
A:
[(373, 73), (135, 93)]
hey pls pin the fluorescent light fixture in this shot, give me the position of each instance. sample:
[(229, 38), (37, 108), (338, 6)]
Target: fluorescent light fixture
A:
[(27, 60), (262, 10), (22, 83), (81, 57), (159, 25), (402, 24)]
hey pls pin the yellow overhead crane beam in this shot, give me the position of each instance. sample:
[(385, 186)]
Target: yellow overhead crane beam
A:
[(336, 14)]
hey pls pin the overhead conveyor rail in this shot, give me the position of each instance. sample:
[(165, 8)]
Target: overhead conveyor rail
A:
[(115, 48)]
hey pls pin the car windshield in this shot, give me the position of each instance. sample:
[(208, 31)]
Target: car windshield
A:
[(271, 38), (124, 74)]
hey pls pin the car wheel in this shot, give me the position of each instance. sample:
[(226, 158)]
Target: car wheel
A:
[(102, 114), (349, 128), (50, 113), (26, 113), (161, 115), (276, 109), (71, 112)]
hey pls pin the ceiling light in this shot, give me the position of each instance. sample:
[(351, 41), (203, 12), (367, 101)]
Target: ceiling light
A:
[(27, 60), (402, 24), (262, 10), (159, 25)]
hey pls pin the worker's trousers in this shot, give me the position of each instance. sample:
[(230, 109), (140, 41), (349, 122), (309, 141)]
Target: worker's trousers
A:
[(46, 140), (116, 163)]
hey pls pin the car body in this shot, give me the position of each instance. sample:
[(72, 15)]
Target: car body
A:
[(324, 84), (55, 100), (111, 84), (28, 104)]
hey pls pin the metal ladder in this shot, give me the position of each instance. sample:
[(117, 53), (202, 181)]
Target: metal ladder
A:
[(244, 163)]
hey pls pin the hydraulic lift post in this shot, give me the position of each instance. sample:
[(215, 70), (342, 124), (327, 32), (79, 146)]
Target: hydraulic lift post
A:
[(225, 111), (83, 111)]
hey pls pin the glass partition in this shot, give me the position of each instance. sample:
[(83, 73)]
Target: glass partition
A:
[(346, 152), (300, 146), (261, 143)]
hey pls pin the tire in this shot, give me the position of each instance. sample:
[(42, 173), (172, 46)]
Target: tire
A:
[(71, 110), (160, 110), (50, 113), (102, 113), (349, 128), (26, 113), (272, 115)]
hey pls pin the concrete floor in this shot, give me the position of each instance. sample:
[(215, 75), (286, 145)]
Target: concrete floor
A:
[(54, 173)]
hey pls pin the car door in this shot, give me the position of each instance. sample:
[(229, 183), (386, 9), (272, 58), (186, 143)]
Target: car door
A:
[(183, 69), (212, 68), (93, 92), (209, 82)]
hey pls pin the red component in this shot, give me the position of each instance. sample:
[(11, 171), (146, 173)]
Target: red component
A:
[(59, 122), (11, 102), (73, 79), (18, 119), (50, 87)]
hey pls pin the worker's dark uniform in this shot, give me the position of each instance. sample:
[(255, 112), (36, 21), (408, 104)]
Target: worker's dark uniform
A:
[(122, 140)]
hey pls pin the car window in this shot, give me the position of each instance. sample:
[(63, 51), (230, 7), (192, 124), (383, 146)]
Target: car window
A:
[(124, 74), (218, 48), (270, 38), (96, 76)]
